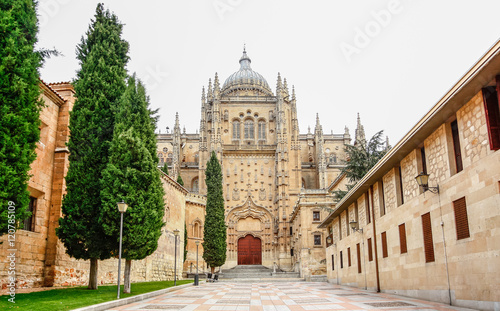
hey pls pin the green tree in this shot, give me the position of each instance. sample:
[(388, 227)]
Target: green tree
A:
[(185, 242), (165, 168), (99, 85), (20, 107), (132, 176), (214, 231), (180, 181), (361, 158)]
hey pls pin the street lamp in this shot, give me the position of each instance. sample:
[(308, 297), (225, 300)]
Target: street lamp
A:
[(354, 226), (176, 234), (122, 208), (423, 181), (196, 277)]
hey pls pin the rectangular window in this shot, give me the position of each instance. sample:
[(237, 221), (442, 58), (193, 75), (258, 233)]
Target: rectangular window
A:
[(370, 252), (291, 252), (492, 110), (291, 230), (249, 130), (427, 233), (262, 130), (341, 260), (340, 227), (400, 190), (349, 256), (356, 212), (236, 130), (316, 216), (347, 222), (461, 219), (424, 162), (29, 223), (367, 208), (384, 245), (317, 239), (402, 238), (456, 146), (381, 197), (333, 262), (358, 251)]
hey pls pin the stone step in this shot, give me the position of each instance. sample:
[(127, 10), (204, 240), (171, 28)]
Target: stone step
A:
[(258, 280)]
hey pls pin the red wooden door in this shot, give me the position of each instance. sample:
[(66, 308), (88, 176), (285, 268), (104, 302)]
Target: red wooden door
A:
[(249, 251)]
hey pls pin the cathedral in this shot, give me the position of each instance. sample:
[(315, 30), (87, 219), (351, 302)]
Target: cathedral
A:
[(267, 164)]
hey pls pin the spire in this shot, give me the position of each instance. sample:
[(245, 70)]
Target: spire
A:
[(209, 91), (216, 85), (359, 137), (176, 121), (285, 85), (279, 86), (293, 92), (203, 94)]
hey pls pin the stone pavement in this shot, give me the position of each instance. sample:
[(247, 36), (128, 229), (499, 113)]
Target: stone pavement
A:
[(282, 296)]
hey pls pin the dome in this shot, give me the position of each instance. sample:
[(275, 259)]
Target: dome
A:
[(246, 79)]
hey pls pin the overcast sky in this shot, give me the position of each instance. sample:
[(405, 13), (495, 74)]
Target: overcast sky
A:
[(391, 61)]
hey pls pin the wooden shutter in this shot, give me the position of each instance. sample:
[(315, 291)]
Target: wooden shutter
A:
[(370, 254), (492, 110), (402, 238), (349, 256), (428, 242), (461, 220), (384, 245), (359, 257)]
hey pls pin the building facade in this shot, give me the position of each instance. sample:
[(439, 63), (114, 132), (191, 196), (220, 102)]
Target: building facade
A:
[(265, 160), (440, 242)]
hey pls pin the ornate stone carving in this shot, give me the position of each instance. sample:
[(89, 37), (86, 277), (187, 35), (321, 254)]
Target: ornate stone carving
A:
[(236, 192)]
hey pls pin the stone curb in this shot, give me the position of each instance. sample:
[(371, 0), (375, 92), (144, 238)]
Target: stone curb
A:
[(125, 301)]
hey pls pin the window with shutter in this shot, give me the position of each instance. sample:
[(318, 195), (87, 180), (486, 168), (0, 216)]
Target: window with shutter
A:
[(367, 206), (333, 262), (456, 146), (492, 110), (370, 253), (402, 238), (384, 245), (461, 220), (359, 257), (428, 242), (349, 256)]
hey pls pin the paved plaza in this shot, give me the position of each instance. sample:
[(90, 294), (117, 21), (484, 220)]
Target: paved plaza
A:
[(280, 296)]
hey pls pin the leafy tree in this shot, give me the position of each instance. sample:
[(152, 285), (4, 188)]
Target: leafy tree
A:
[(20, 107), (361, 157), (99, 85), (131, 175), (165, 168), (185, 242), (214, 232), (180, 181)]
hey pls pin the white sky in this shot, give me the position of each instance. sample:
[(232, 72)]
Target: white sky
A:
[(411, 54)]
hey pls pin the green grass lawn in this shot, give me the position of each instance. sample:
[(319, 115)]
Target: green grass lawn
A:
[(77, 297)]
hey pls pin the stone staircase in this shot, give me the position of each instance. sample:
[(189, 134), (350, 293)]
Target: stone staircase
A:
[(257, 273)]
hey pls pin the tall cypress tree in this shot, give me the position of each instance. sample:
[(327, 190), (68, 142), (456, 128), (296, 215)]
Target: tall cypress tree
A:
[(99, 86), (19, 107), (132, 175), (214, 231)]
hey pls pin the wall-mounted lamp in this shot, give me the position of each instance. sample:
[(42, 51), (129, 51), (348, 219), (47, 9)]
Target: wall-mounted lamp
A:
[(423, 181), (329, 240), (354, 226)]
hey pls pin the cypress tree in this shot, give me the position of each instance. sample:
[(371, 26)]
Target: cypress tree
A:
[(132, 175), (180, 181), (99, 86), (214, 231), (165, 168), (20, 107)]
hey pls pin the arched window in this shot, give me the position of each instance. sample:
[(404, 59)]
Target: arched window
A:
[(249, 130), (195, 185), (262, 130), (197, 229), (236, 129)]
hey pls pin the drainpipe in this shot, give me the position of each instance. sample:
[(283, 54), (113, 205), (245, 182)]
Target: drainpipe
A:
[(375, 240)]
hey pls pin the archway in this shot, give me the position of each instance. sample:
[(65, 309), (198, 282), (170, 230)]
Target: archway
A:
[(249, 250)]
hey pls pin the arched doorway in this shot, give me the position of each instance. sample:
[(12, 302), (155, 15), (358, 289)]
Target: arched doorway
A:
[(249, 251)]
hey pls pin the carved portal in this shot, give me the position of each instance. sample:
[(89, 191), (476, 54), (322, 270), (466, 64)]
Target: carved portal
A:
[(249, 218)]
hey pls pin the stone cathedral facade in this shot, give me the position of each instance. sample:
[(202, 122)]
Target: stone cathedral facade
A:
[(267, 163)]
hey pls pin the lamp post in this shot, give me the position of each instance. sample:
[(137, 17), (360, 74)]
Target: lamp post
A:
[(196, 277), (176, 234), (122, 208)]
